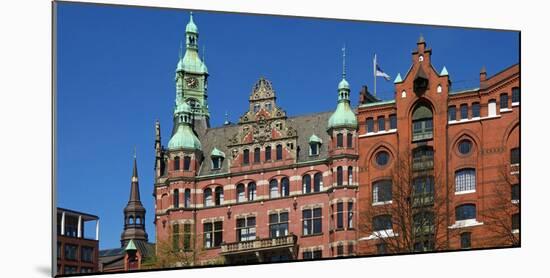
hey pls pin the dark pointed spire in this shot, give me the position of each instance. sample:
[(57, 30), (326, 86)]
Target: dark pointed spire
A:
[(134, 212), (134, 190)]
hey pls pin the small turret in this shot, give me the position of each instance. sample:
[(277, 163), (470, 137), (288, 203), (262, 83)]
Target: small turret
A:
[(344, 115)]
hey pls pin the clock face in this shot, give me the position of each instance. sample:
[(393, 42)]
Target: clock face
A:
[(192, 82)]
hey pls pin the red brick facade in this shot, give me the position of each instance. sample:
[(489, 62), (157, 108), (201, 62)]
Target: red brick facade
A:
[(188, 184)]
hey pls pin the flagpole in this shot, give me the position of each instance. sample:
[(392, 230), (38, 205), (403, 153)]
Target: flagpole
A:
[(374, 72)]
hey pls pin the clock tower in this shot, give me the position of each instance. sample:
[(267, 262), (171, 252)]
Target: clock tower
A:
[(192, 77)]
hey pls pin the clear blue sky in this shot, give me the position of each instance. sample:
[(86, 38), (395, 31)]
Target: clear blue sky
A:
[(116, 77)]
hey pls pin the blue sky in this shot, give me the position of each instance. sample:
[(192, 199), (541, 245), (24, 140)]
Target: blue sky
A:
[(115, 77)]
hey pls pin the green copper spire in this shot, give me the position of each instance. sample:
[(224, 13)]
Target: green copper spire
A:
[(191, 61), (444, 72), (131, 246), (398, 79), (191, 27), (344, 115), (184, 137)]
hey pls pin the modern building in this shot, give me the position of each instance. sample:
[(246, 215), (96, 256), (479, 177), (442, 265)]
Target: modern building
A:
[(134, 245), (77, 248), (273, 187), (439, 168)]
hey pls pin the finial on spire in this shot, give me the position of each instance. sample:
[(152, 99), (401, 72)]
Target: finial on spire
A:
[(135, 152), (134, 171), (344, 61), (421, 39), (226, 122)]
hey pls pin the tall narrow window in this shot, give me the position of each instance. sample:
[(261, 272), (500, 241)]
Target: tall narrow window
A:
[(268, 153), (465, 212), (251, 191), (257, 155), (339, 140), (350, 214), (339, 176), (240, 193), (186, 236), (370, 125), (273, 189), (186, 163), (219, 195), (187, 197), (314, 148), (475, 110), (382, 191), (176, 163), (86, 254), (318, 182), (465, 180), (492, 107), (452, 113), (278, 224), (312, 221), (246, 229), (176, 236), (350, 175), (306, 186), (208, 197), (515, 222), (176, 198), (279, 152), (381, 123), (285, 187), (515, 95), (246, 157), (393, 121), (514, 156), (349, 137), (213, 234), (515, 192), (339, 215), (216, 162), (503, 101), (464, 111), (465, 240), (340, 250)]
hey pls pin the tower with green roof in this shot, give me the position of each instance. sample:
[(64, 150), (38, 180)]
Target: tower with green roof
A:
[(343, 116), (192, 76)]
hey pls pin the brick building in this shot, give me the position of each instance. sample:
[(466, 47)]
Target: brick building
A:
[(439, 169), (273, 188), (77, 249)]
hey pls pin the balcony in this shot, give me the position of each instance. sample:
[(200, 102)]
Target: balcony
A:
[(260, 250)]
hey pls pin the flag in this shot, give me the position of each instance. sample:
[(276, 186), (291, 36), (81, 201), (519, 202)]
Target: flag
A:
[(378, 71)]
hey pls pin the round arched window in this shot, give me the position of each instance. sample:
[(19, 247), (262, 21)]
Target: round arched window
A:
[(382, 158), (465, 146)]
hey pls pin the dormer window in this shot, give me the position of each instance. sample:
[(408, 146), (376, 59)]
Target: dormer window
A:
[(268, 106), (314, 144), (217, 158), (256, 107)]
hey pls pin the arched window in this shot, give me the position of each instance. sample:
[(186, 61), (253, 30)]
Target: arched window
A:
[(515, 95), (465, 212), (492, 108), (381, 123), (451, 110), (370, 125), (176, 163), (422, 123), (314, 148), (186, 163), (251, 191), (350, 140), (187, 198), (464, 111), (339, 176), (240, 193), (268, 153), (208, 197), (273, 189), (318, 182), (465, 180), (219, 195), (138, 220), (131, 220), (246, 156), (279, 152), (381, 191), (306, 184), (339, 140), (176, 198), (350, 175), (257, 155), (285, 187)]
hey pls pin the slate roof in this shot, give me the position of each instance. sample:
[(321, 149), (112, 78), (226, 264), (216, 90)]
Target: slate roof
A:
[(305, 125), (114, 257)]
